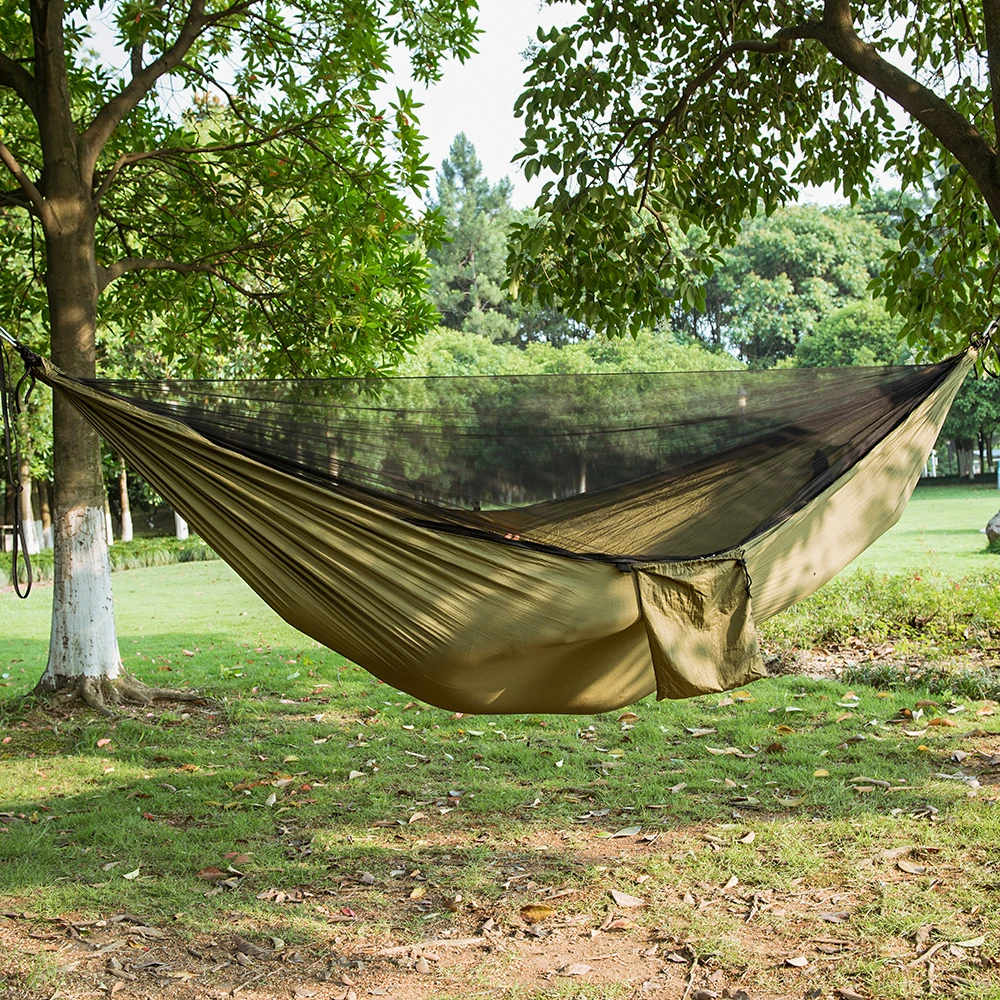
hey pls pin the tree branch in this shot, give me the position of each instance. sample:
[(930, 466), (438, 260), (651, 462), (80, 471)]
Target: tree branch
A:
[(178, 152), (16, 199), (122, 104), (31, 192), (105, 275), (14, 76), (781, 42), (956, 133), (991, 15)]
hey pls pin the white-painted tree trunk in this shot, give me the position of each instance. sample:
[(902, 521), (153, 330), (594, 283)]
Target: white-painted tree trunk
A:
[(109, 524), (83, 641), (46, 511), (127, 530), (31, 543), (180, 526)]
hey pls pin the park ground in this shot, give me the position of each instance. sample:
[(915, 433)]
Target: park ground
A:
[(309, 832)]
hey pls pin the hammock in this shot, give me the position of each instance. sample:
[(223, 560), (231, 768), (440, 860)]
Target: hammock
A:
[(535, 543)]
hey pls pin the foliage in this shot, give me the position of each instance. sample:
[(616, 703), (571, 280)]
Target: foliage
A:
[(137, 554), (249, 183), (785, 273), (656, 120), (447, 352), (469, 268), (976, 411), (858, 334), (922, 614)]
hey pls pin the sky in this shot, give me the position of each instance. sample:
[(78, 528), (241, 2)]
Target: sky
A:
[(478, 97)]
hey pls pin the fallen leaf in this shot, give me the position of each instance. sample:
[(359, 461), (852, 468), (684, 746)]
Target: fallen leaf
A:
[(624, 899), (103, 743), (418, 892), (749, 838), (211, 873), (976, 942), (789, 801), (417, 816), (940, 721), (574, 969), (821, 773), (131, 875), (422, 966), (303, 991), (629, 831), (837, 917), (910, 867), (619, 924), (270, 800), (732, 883), (799, 962), (534, 912), (355, 774)]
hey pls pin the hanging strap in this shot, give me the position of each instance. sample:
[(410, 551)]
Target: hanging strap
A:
[(987, 341), (10, 403)]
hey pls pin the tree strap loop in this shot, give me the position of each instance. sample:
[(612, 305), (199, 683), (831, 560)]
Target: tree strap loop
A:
[(9, 399)]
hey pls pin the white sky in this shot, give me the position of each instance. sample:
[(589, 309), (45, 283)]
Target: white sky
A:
[(477, 98)]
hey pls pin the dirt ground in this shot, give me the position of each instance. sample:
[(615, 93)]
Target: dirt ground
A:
[(566, 943)]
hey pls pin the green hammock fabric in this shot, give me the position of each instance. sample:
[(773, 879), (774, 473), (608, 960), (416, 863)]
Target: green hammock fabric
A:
[(437, 608)]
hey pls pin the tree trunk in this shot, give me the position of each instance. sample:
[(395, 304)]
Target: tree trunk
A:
[(963, 449), (36, 508), (109, 523), (180, 527), (127, 532), (45, 506), (83, 651), (24, 507)]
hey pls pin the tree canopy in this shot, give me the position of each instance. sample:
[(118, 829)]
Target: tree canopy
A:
[(224, 178), (657, 120), (784, 275), (247, 180), (469, 268)]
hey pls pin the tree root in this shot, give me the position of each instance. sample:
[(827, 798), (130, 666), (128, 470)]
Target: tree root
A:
[(104, 695)]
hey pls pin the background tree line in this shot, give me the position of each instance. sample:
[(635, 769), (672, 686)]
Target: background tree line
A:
[(793, 291)]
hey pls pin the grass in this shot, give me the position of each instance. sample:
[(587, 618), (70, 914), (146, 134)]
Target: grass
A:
[(308, 774), (940, 530)]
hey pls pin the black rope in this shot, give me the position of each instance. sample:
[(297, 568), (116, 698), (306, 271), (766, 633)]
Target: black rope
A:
[(986, 341), (9, 400)]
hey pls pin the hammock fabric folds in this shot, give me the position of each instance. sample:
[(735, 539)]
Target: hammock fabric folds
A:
[(535, 543)]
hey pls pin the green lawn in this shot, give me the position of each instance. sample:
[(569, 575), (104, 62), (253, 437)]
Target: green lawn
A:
[(316, 807), (940, 529)]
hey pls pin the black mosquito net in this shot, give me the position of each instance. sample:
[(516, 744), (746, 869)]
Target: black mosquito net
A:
[(610, 466)]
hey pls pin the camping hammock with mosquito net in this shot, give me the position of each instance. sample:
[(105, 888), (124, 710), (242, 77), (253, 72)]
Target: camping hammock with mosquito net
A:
[(564, 543)]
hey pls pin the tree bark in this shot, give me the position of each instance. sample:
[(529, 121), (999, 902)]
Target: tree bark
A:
[(23, 498), (83, 641), (45, 507), (127, 530), (24, 508), (180, 527)]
